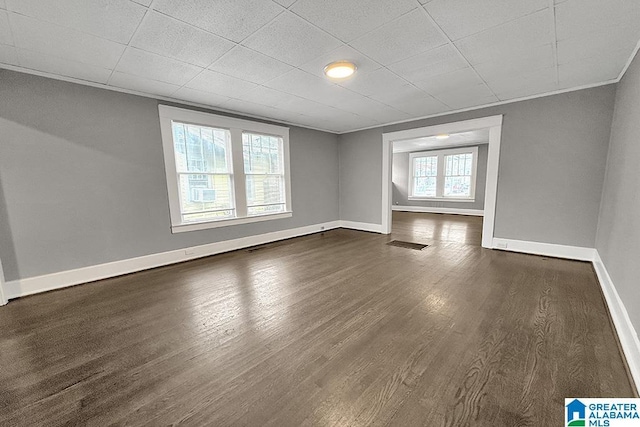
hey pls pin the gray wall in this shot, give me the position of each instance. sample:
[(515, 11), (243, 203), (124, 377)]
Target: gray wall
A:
[(551, 166), (618, 240), (400, 180), (361, 176), (82, 179)]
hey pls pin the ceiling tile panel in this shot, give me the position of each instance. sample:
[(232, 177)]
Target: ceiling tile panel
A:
[(66, 43), (462, 18), (304, 106), (200, 97), (250, 65), (221, 84), (417, 103), (115, 20), (467, 96), (140, 84), (265, 96), (5, 29), (525, 61), (8, 55), (443, 59), (508, 39), (305, 85), (348, 20), (463, 78), (343, 53), (292, 40), (621, 37), (406, 36), (231, 19), (169, 37), (62, 67), (525, 84), (576, 18), (377, 82), (599, 68), (285, 3), (149, 65)]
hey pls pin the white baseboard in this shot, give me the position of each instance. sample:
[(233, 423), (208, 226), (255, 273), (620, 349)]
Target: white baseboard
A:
[(545, 249), (425, 209), (624, 328), (362, 226), (63, 279)]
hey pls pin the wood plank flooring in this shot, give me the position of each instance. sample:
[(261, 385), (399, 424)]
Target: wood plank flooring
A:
[(329, 329)]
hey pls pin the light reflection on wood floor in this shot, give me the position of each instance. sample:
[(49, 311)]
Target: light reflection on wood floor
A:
[(331, 329)]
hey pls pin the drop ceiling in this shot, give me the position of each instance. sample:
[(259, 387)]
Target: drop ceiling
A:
[(264, 58), (480, 136)]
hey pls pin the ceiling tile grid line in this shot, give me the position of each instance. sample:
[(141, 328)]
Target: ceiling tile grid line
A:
[(473, 14), (213, 62), (11, 32), (418, 6), (554, 45), (146, 14), (423, 8), (417, 59)]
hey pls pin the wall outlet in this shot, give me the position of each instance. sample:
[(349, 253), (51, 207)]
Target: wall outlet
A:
[(501, 245)]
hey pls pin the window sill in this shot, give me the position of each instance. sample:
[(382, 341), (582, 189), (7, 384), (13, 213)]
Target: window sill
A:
[(441, 199), (182, 228)]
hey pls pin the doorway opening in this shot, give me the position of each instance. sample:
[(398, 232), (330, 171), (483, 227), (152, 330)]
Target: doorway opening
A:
[(446, 173)]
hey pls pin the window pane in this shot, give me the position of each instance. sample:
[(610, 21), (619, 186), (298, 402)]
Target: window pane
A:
[(424, 186), (201, 148), (425, 166), (458, 164), (457, 186), (263, 167), (265, 189), (262, 154), (201, 192)]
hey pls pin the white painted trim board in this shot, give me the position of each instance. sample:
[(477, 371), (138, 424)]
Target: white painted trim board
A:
[(3, 297), (63, 279), (627, 335), (544, 249)]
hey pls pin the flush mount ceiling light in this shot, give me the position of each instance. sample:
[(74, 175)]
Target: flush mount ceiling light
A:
[(442, 136), (340, 70)]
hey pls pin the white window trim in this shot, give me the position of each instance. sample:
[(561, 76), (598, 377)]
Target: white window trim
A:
[(440, 176), (236, 127)]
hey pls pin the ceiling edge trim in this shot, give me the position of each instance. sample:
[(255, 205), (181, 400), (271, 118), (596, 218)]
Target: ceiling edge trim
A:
[(629, 61)]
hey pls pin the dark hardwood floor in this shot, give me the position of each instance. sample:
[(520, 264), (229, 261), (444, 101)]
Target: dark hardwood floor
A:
[(329, 329)]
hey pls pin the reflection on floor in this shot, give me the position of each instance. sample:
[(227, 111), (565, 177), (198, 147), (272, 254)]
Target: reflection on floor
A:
[(330, 329), (430, 228)]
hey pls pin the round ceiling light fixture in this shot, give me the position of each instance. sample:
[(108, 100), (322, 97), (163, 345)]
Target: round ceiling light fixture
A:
[(340, 70), (442, 136)]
